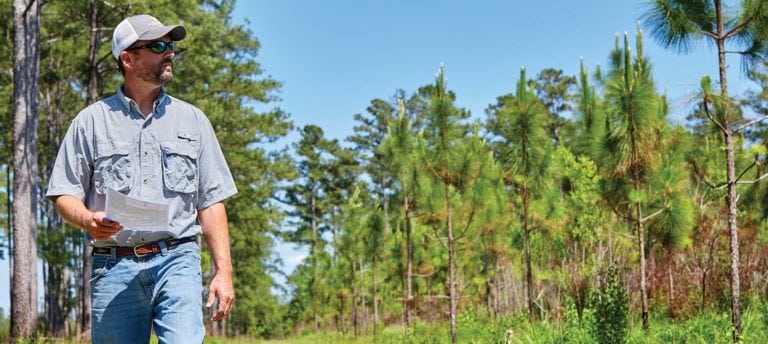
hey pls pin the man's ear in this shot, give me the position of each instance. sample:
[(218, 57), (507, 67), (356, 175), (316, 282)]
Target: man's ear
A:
[(127, 58)]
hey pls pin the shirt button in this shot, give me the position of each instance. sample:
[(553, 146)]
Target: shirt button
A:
[(145, 181), (146, 153)]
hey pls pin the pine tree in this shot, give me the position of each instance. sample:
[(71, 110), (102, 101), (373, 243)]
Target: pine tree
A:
[(307, 198), (26, 104), (398, 149), (523, 149), (554, 90), (453, 161), (590, 117), (631, 147), (677, 24)]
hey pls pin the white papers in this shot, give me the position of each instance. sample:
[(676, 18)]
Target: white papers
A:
[(134, 214)]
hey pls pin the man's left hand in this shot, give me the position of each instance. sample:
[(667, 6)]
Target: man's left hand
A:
[(221, 289)]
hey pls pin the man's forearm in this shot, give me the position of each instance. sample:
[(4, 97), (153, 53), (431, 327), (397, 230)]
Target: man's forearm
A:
[(72, 210), (216, 232)]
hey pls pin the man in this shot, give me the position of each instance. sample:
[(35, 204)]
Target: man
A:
[(149, 146)]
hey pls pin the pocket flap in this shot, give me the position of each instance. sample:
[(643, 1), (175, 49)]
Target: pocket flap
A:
[(180, 148)]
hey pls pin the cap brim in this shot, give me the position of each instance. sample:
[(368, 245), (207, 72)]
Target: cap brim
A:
[(175, 32)]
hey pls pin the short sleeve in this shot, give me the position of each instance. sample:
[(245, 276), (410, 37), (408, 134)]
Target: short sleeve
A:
[(216, 183), (72, 168)]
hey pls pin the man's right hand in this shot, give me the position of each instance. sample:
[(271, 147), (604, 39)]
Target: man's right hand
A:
[(74, 211), (100, 227)]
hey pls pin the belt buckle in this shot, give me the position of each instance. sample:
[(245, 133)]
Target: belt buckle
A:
[(135, 253)]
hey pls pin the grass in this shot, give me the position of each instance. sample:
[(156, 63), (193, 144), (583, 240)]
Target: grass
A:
[(707, 327)]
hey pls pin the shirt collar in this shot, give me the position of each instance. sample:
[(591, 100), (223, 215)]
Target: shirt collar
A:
[(159, 101)]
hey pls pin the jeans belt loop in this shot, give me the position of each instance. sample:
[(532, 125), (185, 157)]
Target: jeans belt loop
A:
[(113, 254), (163, 247)]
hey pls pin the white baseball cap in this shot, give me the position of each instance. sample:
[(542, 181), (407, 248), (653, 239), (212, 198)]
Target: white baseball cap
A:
[(142, 27)]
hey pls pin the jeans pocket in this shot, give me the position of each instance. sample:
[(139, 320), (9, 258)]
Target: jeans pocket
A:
[(189, 249), (100, 267)]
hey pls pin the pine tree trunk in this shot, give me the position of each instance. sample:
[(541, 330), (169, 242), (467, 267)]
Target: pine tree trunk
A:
[(93, 54), (488, 308), (355, 317), (731, 176), (671, 288), (498, 290), (451, 262), (56, 298), (93, 95), (341, 322), (408, 301), (734, 236), (56, 282), (313, 256), (528, 272), (26, 66), (641, 251), (363, 308), (375, 301), (85, 301), (9, 212)]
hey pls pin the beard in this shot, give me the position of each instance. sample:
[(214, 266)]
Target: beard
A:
[(159, 73)]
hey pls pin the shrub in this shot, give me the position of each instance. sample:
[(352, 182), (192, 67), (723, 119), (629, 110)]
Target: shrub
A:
[(611, 306)]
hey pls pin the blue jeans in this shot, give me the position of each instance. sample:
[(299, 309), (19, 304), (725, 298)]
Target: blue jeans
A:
[(131, 294)]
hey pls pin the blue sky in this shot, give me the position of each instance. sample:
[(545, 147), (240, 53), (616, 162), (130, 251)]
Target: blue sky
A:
[(333, 57)]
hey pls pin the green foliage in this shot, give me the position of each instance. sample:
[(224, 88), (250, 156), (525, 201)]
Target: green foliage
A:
[(554, 90), (632, 139), (611, 305), (5, 326), (670, 185), (679, 24), (523, 145), (590, 120), (583, 180)]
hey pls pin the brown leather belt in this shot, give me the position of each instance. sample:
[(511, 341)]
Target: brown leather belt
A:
[(140, 250)]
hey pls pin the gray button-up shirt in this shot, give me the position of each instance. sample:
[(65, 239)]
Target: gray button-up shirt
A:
[(171, 156)]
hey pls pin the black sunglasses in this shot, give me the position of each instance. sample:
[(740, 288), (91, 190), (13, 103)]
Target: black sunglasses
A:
[(157, 47)]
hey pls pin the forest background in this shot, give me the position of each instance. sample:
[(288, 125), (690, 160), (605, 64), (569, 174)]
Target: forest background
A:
[(395, 213)]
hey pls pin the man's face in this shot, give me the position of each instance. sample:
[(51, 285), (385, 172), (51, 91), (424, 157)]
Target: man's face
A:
[(153, 67)]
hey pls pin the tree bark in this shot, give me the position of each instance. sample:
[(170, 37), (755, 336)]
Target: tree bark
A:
[(671, 287), (93, 95), (26, 72), (731, 175), (355, 313), (409, 301), (313, 257), (528, 268), (451, 262), (641, 251), (85, 300), (363, 308), (734, 236), (375, 301)]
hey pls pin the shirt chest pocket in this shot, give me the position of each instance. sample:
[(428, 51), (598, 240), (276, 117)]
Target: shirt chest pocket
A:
[(112, 166), (180, 171)]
